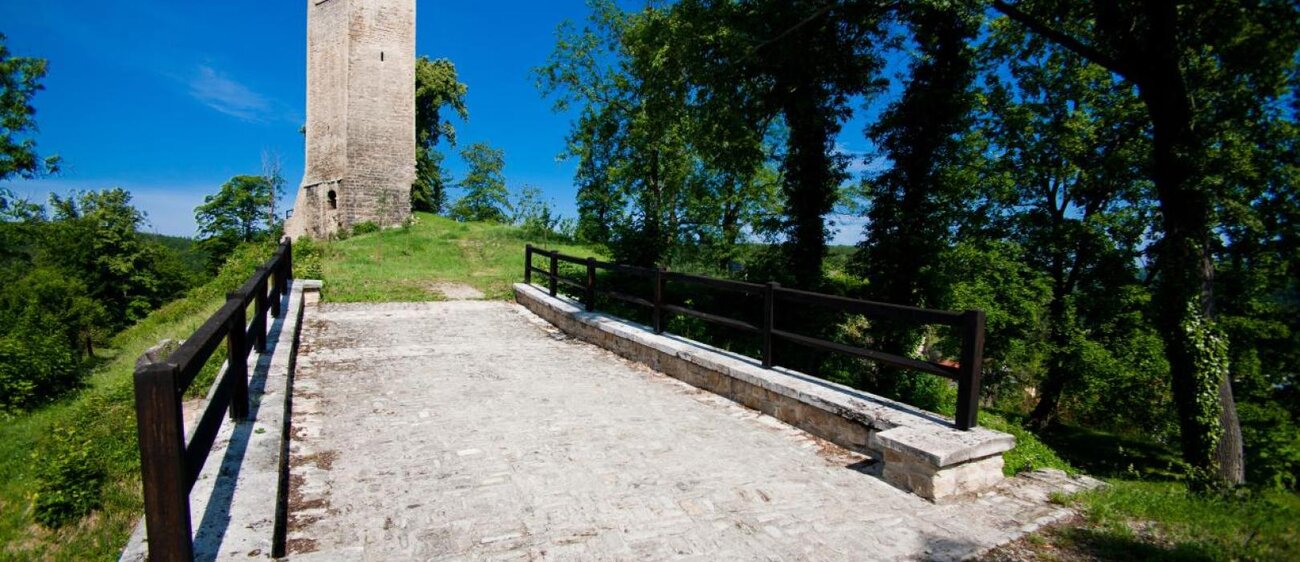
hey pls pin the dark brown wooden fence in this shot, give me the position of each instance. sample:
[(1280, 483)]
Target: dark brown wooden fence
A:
[(168, 465), (969, 324)]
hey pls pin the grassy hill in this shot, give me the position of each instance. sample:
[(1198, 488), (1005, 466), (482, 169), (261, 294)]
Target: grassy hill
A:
[(405, 264)]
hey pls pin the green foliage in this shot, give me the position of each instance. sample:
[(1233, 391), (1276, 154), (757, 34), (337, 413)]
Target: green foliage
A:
[(20, 79), (367, 227), (534, 214), (994, 277), (236, 214), (437, 87), (486, 198), (101, 421), (36, 366), (666, 171), (70, 480), (1030, 452), (307, 255), (429, 192)]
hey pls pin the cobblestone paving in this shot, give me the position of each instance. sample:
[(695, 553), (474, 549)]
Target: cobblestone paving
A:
[(472, 430)]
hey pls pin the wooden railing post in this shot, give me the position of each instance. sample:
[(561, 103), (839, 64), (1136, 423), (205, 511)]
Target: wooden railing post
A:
[(659, 300), (280, 283), (528, 264), (972, 364), (260, 308), (555, 269), (162, 467), (237, 359), (591, 284), (769, 320), (288, 265)]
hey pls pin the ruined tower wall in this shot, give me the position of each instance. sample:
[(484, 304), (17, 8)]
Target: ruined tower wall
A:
[(360, 131), (381, 111)]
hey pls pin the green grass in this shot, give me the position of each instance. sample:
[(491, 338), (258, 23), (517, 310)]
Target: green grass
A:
[(104, 419), (1146, 511), (1030, 453), (1134, 519), (404, 264)]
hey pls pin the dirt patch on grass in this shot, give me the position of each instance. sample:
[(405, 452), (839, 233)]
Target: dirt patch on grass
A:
[(456, 291)]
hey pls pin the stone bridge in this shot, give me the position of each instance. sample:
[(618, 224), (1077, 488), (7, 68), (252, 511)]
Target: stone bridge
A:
[(466, 430)]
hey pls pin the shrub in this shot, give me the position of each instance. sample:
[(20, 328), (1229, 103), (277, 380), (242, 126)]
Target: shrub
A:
[(35, 368), (69, 480), (365, 228), (307, 255)]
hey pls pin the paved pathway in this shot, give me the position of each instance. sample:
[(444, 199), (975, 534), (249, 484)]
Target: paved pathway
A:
[(472, 430)]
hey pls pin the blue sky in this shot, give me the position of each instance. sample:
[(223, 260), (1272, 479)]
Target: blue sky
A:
[(170, 99)]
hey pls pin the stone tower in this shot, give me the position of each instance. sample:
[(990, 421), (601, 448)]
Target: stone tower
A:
[(360, 116)]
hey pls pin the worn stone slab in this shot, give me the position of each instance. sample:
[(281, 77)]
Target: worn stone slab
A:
[(491, 435), (233, 503), (943, 446)]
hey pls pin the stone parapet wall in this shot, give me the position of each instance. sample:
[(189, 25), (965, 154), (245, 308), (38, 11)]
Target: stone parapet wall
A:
[(921, 452)]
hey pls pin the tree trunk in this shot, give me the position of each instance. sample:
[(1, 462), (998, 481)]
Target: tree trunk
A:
[(1184, 299), (1053, 385), (808, 187)]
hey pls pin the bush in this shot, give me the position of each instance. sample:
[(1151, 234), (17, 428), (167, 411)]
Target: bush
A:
[(35, 368), (69, 480), (307, 259), (365, 228)]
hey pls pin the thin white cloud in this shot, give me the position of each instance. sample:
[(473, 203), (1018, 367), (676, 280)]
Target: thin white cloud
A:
[(215, 89)]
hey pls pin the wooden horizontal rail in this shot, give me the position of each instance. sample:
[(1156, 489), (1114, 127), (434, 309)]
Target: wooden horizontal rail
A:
[(879, 356), (721, 320), (870, 309), (727, 284), (970, 324), (628, 298), (571, 283), (630, 269)]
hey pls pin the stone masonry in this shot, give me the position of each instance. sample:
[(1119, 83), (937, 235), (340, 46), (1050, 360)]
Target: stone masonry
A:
[(360, 116)]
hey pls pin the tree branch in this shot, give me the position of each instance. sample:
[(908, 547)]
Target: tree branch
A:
[(816, 14), (1069, 42)]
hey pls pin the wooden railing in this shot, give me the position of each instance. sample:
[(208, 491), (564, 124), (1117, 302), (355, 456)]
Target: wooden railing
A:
[(169, 466), (970, 323)]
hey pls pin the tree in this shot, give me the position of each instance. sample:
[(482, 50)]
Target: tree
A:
[(670, 165), (429, 192), (1069, 140), (94, 237), (1198, 66), (913, 203), (437, 87), (20, 79), (801, 61), (233, 215), (533, 213), (273, 175), (486, 198), (630, 136)]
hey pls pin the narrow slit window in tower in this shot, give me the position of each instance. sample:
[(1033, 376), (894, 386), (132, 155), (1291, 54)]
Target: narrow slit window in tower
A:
[(334, 199), (381, 56)]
